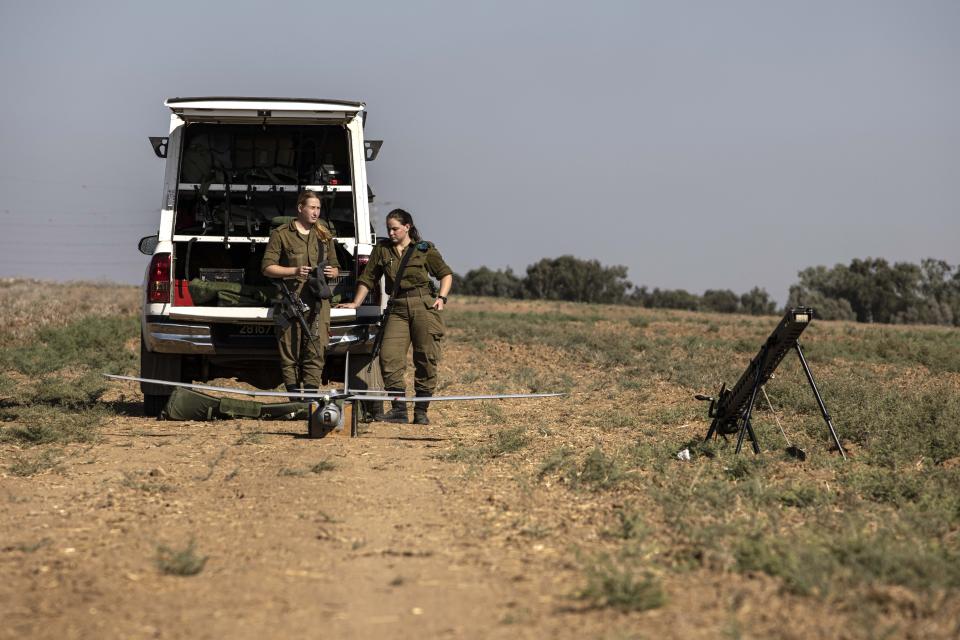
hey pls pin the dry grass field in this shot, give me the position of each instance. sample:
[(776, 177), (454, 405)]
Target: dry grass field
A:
[(535, 518)]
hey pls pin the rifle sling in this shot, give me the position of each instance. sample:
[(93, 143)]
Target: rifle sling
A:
[(404, 259), (403, 265)]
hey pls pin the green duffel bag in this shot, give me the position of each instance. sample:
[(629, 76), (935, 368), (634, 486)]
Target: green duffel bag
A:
[(229, 294), (284, 411), (234, 408), (187, 404)]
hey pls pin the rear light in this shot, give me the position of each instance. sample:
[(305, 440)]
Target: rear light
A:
[(158, 284), (374, 296)]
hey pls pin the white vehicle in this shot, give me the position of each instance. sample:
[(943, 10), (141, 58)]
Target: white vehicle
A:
[(234, 169)]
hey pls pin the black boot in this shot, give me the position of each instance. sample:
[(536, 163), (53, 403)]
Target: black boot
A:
[(370, 411), (420, 413), (398, 411), (294, 388)]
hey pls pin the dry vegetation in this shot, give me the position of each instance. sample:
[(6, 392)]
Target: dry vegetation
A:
[(527, 519)]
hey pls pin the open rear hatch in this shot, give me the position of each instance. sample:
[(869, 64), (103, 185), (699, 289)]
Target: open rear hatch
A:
[(242, 164)]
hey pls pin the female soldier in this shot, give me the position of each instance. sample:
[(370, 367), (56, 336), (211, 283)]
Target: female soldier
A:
[(413, 314), (293, 252)]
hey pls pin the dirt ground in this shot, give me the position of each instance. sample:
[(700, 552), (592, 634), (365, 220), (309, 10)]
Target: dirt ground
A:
[(378, 536), (390, 542)]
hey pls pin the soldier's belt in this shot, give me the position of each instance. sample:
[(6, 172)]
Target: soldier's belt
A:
[(413, 292)]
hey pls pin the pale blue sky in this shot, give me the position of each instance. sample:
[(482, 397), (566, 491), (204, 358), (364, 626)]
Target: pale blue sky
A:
[(701, 144)]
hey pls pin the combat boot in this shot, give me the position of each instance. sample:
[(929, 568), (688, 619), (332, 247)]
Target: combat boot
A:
[(370, 411), (420, 413), (294, 388), (398, 411)]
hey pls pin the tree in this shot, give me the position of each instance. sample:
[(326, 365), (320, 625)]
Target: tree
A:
[(872, 290), (720, 300), (569, 278), (487, 282), (757, 302), (665, 299)]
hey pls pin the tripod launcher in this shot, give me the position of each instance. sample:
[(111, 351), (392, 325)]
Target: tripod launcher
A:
[(732, 409)]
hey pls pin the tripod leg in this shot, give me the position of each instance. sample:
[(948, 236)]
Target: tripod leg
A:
[(746, 427), (354, 418), (823, 408), (743, 432), (712, 431), (753, 438)]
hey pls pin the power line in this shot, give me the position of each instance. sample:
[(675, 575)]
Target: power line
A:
[(80, 264)]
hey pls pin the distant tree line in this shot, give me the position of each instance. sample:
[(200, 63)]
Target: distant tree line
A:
[(869, 290), (873, 290)]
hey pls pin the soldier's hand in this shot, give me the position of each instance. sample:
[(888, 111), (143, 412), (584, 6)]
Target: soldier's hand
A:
[(303, 272), (331, 272), (438, 304)]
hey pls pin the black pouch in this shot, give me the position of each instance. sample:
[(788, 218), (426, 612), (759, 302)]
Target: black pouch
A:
[(318, 283)]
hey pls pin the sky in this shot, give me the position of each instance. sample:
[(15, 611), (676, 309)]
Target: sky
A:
[(704, 145)]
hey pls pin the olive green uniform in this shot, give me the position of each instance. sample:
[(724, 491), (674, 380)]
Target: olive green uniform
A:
[(290, 248), (411, 316)]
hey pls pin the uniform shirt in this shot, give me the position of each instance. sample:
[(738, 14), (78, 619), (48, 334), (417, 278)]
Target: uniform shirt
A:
[(426, 261), (289, 248)]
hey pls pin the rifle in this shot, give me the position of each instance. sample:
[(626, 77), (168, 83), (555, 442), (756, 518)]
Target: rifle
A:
[(378, 341), (291, 308)]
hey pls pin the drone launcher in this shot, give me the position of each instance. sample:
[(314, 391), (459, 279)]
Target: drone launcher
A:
[(732, 408), (731, 404)]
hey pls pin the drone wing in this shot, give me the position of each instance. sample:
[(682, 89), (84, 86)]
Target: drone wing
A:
[(333, 395), (306, 395)]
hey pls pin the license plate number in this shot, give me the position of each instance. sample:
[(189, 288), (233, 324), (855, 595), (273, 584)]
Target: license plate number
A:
[(254, 330)]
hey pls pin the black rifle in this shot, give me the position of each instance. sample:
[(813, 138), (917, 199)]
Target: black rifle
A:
[(378, 341), (291, 308), (732, 409)]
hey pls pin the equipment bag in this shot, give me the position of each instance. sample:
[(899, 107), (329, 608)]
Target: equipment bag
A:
[(284, 410), (234, 408), (187, 404)]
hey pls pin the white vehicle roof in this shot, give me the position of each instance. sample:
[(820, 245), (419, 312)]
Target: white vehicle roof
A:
[(218, 108), (282, 104)]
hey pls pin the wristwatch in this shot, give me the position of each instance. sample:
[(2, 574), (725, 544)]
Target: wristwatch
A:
[(444, 298)]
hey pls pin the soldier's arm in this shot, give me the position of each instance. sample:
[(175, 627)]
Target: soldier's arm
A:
[(442, 272), (436, 267), (371, 273), (271, 258)]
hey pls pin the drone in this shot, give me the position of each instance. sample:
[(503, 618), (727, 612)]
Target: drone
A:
[(329, 411)]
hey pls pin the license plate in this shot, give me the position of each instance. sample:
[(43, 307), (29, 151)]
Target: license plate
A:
[(253, 330)]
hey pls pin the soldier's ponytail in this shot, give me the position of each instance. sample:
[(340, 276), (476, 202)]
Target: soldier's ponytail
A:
[(404, 217)]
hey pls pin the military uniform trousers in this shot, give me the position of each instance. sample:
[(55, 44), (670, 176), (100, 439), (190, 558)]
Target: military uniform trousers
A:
[(297, 348), (412, 319)]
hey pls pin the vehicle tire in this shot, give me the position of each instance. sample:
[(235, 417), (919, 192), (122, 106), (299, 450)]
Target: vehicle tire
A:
[(157, 366), (153, 405)]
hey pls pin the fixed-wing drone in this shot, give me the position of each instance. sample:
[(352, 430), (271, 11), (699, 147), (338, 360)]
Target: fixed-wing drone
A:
[(329, 410)]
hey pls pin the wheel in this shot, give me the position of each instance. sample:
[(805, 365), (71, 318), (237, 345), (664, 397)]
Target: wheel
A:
[(153, 405), (157, 366)]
